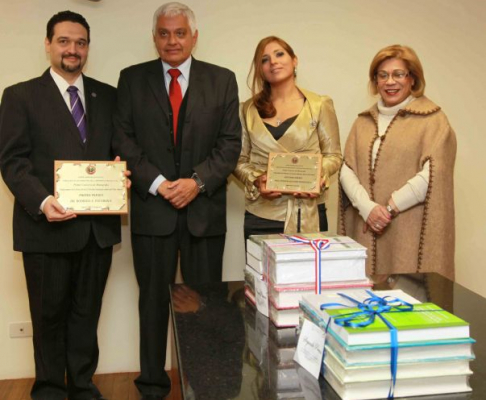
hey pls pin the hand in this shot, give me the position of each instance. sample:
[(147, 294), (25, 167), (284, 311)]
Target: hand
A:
[(163, 189), (185, 299), (261, 184), (323, 184), (54, 212), (181, 192), (127, 173), (306, 195), (311, 195), (378, 219)]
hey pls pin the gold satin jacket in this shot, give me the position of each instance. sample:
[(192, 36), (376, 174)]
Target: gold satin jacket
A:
[(314, 131)]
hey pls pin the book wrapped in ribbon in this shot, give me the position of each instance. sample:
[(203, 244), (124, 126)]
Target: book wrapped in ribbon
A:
[(375, 313), (313, 257)]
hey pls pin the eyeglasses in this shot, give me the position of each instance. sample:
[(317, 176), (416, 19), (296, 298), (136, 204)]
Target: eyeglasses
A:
[(397, 75)]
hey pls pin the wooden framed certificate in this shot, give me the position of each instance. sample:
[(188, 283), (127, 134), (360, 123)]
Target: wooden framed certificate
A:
[(91, 187), (294, 172)]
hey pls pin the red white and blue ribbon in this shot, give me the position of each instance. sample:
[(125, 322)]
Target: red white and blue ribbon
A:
[(370, 308), (317, 245)]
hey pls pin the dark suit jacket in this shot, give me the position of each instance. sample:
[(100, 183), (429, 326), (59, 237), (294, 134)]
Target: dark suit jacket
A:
[(36, 128), (211, 143)]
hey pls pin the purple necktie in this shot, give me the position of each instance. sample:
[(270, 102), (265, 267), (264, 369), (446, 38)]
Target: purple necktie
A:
[(77, 111)]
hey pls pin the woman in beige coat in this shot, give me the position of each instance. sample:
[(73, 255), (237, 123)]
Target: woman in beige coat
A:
[(397, 195), (283, 118)]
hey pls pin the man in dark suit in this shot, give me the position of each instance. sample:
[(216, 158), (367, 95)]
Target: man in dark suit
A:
[(177, 126), (66, 257)]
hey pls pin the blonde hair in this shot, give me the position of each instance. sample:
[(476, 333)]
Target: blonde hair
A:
[(410, 59)]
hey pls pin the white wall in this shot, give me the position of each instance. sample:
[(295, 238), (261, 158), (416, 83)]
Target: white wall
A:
[(335, 41)]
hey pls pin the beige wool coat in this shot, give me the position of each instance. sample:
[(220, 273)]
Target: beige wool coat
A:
[(422, 238)]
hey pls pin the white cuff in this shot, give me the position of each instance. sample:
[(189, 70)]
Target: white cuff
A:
[(155, 185), (41, 208)]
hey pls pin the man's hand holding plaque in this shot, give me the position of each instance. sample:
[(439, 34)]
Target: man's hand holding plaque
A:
[(298, 174), (92, 187)]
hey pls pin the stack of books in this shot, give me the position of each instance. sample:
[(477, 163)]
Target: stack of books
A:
[(256, 326), (256, 286), (256, 290), (272, 350), (284, 299), (434, 349), (280, 271)]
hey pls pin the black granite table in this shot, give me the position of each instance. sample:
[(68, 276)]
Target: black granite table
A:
[(227, 350)]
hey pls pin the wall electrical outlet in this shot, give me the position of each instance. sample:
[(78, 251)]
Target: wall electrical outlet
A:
[(20, 329)]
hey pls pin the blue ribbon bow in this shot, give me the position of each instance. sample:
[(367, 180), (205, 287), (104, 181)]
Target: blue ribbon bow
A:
[(370, 308)]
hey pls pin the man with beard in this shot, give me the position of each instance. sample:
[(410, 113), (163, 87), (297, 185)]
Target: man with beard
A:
[(62, 115)]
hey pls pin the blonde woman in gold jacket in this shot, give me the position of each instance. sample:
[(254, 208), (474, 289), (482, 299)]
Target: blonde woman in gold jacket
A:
[(282, 118)]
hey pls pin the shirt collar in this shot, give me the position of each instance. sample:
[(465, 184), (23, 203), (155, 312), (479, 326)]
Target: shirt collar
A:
[(62, 84), (185, 68)]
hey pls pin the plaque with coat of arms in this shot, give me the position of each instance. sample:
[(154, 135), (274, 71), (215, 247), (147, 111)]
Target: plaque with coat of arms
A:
[(294, 173), (91, 187)]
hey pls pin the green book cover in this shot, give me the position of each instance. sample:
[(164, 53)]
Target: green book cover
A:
[(425, 315)]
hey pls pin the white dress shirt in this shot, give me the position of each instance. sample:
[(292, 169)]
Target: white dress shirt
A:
[(63, 85), (183, 80)]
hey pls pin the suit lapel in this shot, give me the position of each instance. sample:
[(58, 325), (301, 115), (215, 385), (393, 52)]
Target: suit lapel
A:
[(90, 96), (90, 100), (195, 101), (156, 82), (62, 112), (195, 86)]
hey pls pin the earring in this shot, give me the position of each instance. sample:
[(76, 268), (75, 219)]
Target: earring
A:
[(295, 72)]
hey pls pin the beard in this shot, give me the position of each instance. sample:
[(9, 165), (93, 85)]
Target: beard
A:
[(71, 68)]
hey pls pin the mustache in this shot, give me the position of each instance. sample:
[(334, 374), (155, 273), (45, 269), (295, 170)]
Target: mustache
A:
[(72, 55)]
